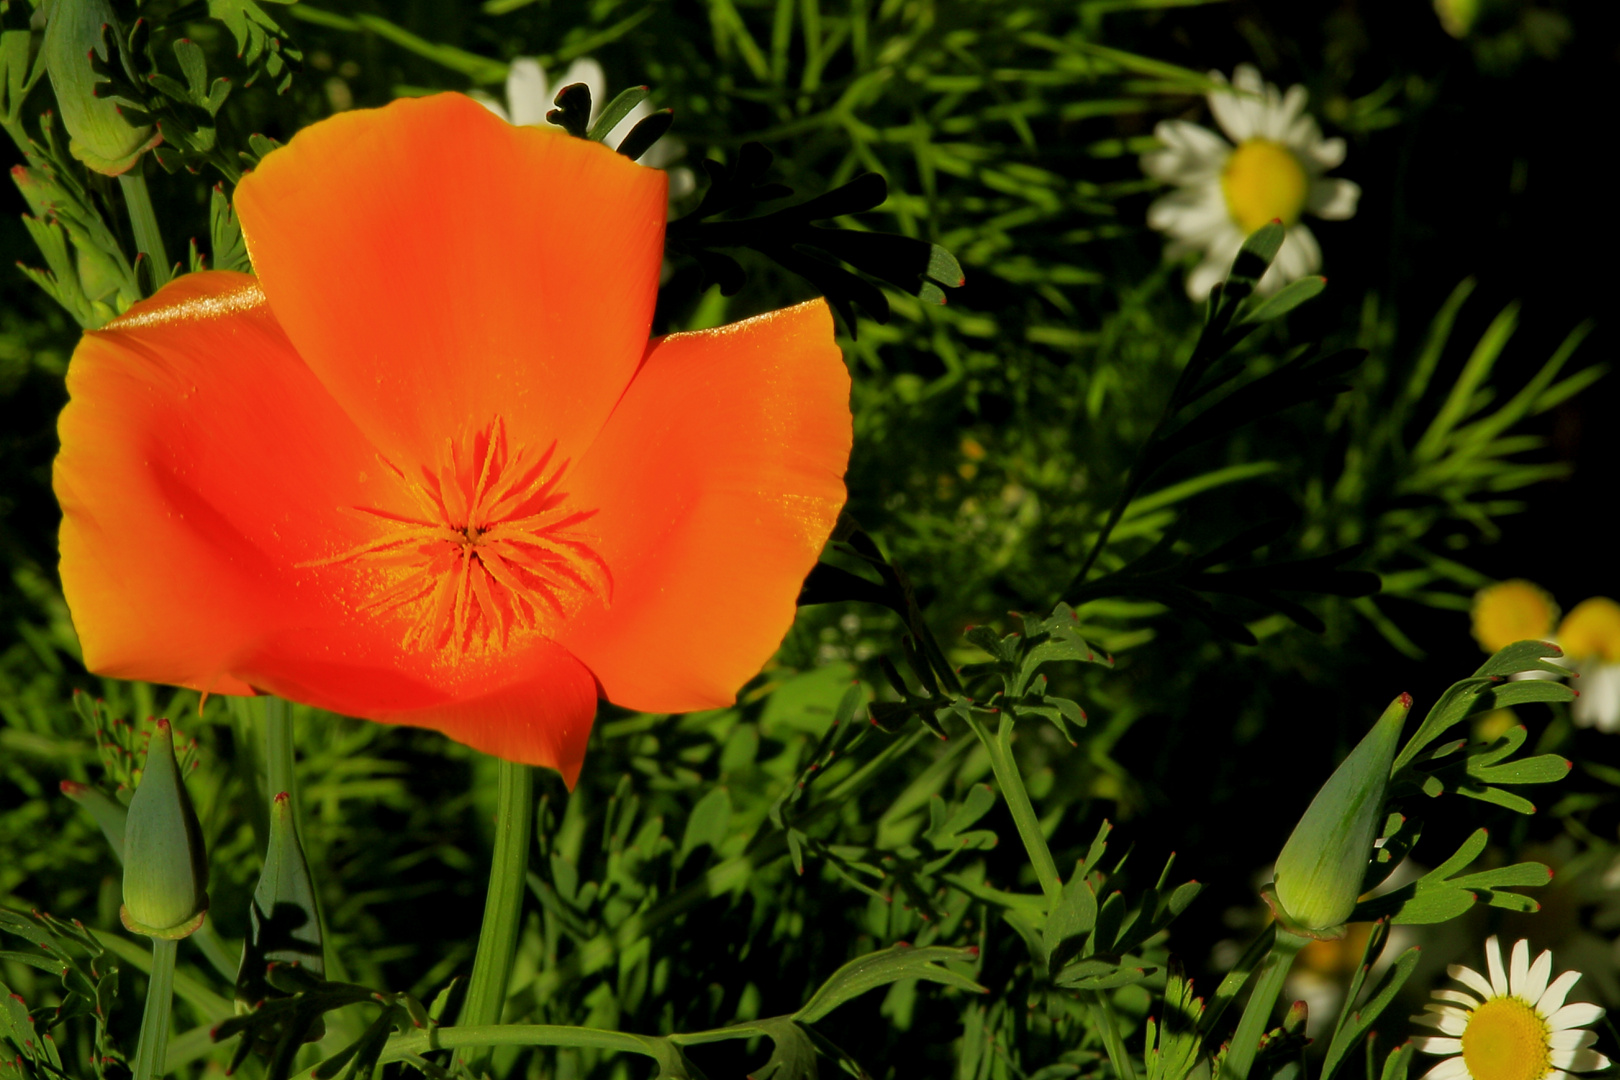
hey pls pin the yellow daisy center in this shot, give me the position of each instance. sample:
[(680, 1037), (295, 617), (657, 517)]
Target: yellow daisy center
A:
[(1592, 629), (1512, 611), (1263, 180), (1506, 1039)]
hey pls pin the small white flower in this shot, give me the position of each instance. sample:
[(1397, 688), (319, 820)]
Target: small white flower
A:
[(1590, 638), (530, 95), (1512, 1026), (1225, 191)]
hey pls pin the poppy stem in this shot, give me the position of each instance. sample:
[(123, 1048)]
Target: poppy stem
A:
[(503, 904), (143, 221), (1256, 1018), (1016, 796), (153, 1048)]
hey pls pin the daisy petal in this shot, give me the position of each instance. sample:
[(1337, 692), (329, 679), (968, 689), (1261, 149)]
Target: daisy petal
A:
[(1450, 1069), (1474, 980), (1493, 963), (1536, 982), (1553, 999), (1580, 1060), (424, 331), (1572, 1039), (1572, 1016), (1599, 703), (696, 533), (527, 93), (1467, 1001), (1436, 1044), (1519, 969), (1332, 199), (1328, 154)]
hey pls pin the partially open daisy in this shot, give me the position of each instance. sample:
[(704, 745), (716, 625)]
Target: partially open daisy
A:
[(1511, 1026), (1590, 638), (1224, 192)]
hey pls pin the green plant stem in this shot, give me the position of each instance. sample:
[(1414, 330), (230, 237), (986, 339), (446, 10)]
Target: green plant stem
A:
[(280, 759), (154, 1044), (503, 904), (1256, 1018), (1118, 1056), (148, 237), (1011, 782)]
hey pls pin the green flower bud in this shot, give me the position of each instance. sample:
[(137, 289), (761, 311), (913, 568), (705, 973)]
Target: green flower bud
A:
[(109, 813), (284, 927), (98, 134), (1320, 870), (165, 867)]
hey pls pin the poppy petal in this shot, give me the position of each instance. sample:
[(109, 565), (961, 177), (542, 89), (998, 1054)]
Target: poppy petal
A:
[(544, 718), (716, 482), (438, 268), (200, 462)]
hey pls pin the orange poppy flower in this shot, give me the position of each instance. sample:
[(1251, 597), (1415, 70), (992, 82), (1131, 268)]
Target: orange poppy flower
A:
[(427, 468)]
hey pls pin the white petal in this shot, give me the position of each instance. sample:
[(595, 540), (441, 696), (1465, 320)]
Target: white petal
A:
[(1328, 154), (1553, 999), (1449, 1069), (1467, 1001), (1435, 1044), (1493, 963), (1570, 1016), (1238, 113), (1519, 969), (1580, 1060), (1572, 1039), (1536, 982), (1599, 703), (1281, 116), (624, 127), (528, 95), (1298, 256), (1190, 153), (1475, 981), (1205, 276), (1332, 199)]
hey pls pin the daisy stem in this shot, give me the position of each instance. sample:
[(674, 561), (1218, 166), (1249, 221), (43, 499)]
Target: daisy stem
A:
[(153, 1047), (1256, 1018), (503, 904), (142, 219), (1011, 782)]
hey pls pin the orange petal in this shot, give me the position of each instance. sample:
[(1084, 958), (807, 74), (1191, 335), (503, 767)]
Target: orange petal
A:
[(437, 267), (717, 480), (543, 718), (200, 459)]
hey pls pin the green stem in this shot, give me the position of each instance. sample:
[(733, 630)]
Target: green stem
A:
[(503, 904), (1256, 1018), (1118, 1056), (154, 1045), (1011, 782), (148, 237), (280, 759)]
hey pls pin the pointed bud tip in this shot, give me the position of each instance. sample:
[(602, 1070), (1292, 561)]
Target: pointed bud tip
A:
[(1405, 700)]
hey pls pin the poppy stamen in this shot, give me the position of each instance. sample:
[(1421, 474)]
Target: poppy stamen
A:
[(497, 548)]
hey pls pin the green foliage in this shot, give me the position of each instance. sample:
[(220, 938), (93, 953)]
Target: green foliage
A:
[(878, 812)]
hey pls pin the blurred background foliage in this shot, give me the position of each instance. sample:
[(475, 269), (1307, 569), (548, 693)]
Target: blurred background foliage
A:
[(993, 435)]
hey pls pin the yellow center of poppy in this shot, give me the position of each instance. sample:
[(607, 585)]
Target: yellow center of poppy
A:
[(1592, 629), (493, 547), (1512, 611), (1264, 181), (1506, 1039)]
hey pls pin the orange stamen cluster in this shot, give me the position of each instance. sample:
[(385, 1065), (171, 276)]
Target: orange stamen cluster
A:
[(495, 547)]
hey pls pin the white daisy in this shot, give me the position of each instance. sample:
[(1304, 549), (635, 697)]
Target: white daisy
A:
[(530, 95), (1225, 192), (1590, 638), (1512, 1026)]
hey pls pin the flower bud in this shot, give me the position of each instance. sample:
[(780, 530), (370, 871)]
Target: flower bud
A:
[(1320, 870), (165, 867), (98, 134)]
